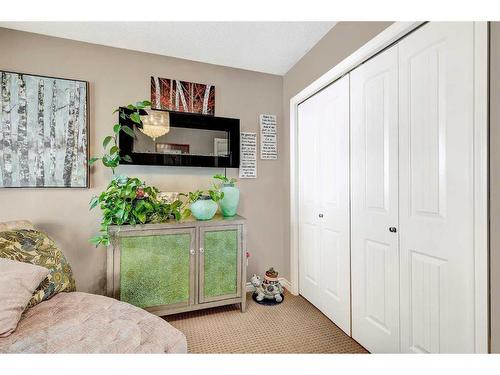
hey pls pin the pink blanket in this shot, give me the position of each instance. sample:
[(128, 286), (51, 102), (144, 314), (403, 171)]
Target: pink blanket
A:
[(87, 323)]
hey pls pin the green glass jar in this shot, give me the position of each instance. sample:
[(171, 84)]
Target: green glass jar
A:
[(204, 208), (229, 204)]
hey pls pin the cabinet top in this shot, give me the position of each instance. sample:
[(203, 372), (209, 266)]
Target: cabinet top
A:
[(217, 220)]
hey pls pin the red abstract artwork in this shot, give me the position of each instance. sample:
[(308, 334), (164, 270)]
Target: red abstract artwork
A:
[(182, 96)]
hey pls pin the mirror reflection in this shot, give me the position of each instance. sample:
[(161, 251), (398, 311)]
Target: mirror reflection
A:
[(183, 141)]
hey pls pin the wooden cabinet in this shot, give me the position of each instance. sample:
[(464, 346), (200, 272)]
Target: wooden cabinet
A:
[(180, 266)]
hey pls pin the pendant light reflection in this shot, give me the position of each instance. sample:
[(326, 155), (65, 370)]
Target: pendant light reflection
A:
[(155, 124)]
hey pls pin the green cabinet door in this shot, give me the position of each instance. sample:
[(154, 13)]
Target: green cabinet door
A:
[(220, 263), (157, 268)]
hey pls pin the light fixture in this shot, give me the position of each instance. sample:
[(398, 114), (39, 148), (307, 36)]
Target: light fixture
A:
[(155, 123)]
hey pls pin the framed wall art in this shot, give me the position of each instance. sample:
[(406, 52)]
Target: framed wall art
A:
[(182, 96), (44, 131)]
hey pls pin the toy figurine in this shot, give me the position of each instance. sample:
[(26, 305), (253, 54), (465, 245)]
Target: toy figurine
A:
[(268, 291)]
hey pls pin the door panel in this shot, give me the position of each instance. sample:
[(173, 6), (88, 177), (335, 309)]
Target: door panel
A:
[(331, 264), (220, 263), (334, 206), (324, 275), (374, 203), (157, 269), (309, 230), (436, 188)]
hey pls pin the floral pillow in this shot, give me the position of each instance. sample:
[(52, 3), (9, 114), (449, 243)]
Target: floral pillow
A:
[(33, 246)]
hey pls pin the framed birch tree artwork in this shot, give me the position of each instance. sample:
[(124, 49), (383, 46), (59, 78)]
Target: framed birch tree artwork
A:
[(182, 96), (43, 131)]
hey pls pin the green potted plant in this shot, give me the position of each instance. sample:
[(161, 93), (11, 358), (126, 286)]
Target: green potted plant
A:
[(231, 194), (128, 201), (203, 205)]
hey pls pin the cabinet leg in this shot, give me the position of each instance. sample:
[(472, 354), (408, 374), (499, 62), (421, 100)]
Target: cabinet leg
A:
[(243, 305)]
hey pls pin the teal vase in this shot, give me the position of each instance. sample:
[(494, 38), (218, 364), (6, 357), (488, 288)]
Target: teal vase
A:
[(204, 208), (229, 204)]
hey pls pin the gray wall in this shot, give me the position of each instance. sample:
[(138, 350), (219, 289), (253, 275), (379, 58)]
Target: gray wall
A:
[(118, 77)]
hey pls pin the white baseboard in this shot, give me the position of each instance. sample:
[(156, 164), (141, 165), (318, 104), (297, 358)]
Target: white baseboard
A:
[(284, 282)]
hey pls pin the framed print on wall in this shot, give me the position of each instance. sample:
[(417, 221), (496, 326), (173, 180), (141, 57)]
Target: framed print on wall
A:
[(182, 96), (43, 131)]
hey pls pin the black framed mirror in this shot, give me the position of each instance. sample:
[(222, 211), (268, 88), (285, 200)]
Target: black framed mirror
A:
[(172, 138)]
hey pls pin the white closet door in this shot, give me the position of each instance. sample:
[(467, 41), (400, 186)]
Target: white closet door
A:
[(436, 188), (324, 274), (374, 203), (309, 201)]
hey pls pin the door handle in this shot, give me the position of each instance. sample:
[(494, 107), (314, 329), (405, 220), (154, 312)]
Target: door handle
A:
[(192, 252), (202, 250), (392, 229)]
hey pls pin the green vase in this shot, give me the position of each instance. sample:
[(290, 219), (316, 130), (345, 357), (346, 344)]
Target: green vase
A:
[(204, 208), (229, 204)]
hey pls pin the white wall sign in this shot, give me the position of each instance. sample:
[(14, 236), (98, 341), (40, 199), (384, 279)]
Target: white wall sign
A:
[(268, 137), (248, 155)]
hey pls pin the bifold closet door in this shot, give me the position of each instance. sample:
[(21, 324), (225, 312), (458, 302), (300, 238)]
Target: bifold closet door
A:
[(436, 188), (323, 160), (374, 203)]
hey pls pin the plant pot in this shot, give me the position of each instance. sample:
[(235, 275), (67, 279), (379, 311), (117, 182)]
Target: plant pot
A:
[(229, 204), (204, 208)]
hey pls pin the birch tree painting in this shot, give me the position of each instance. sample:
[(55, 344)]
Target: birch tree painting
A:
[(182, 96), (43, 131)]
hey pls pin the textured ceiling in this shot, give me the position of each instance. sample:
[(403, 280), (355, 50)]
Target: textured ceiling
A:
[(269, 47)]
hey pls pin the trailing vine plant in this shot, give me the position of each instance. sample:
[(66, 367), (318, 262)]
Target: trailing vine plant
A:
[(111, 158), (221, 180), (128, 200)]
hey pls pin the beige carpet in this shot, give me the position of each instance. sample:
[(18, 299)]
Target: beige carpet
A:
[(294, 326)]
